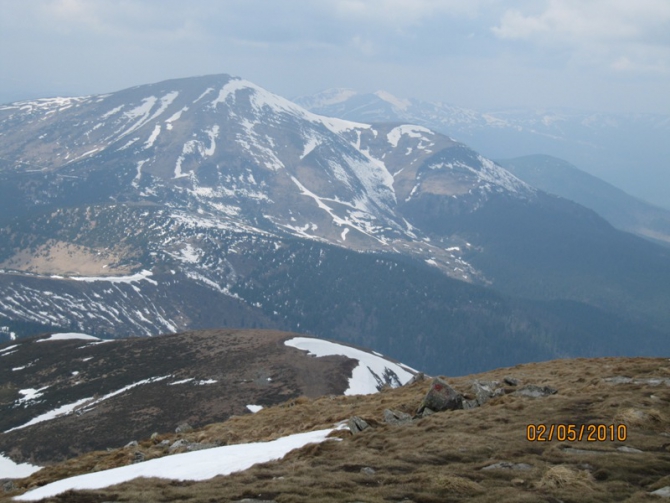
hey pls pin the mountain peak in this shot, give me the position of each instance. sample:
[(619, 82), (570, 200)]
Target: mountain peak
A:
[(401, 104)]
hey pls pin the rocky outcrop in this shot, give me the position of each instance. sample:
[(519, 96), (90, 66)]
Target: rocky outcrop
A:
[(441, 397)]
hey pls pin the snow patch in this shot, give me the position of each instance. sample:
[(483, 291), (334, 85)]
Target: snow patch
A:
[(197, 465), (88, 402), (396, 102), (140, 276), (255, 408), (396, 133), (368, 376), (11, 470), (70, 336), (152, 138)]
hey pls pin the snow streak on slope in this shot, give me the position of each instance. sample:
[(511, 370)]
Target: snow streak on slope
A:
[(198, 465), (371, 373), (85, 404)]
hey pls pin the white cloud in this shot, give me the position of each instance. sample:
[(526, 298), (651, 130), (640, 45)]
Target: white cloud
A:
[(604, 20), (400, 13), (619, 34)]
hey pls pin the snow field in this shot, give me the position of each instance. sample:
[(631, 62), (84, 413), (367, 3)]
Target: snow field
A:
[(197, 465), (366, 377)]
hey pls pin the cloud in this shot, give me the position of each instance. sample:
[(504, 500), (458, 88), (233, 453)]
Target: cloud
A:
[(401, 13), (621, 35), (575, 21)]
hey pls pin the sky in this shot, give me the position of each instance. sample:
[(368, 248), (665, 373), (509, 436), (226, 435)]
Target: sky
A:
[(602, 55)]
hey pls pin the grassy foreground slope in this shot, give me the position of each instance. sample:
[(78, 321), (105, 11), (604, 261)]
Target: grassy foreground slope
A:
[(447, 456)]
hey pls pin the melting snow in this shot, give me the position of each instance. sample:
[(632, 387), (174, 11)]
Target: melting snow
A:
[(255, 408), (11, 470), (70, 336), (183, 381), (152, 138), (396, 102), (9, 348), (198, 465), (311, 144), (30, 394), (140, 276), (367, 377), (396, 133), (89, 402)]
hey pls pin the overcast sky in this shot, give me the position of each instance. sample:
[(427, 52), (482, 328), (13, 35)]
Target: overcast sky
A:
[(609, 55)]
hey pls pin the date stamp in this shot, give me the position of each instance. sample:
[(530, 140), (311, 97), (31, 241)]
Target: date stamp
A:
[(576, 432)]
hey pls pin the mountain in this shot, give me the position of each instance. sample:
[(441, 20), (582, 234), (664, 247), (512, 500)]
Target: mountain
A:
[(568, 430), (71, 393), (628, 150), (623, 211), (210, 202)]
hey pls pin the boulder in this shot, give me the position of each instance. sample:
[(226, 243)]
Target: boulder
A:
[(485, 390), (357, 424), (510, 381), (183, 428), (396, 418), (441, 397), (177, 444), (419, 377), (534, 391)]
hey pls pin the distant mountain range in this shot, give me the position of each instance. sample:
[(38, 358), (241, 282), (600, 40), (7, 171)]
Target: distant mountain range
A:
[(210, 202), (629, 150), (623, 211)]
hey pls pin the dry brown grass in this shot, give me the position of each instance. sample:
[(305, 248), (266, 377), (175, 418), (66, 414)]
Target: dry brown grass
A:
[(438, 458)]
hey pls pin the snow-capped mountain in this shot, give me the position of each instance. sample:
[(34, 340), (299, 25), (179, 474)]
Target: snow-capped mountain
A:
[(210, 201), (628, 150), (230, 151)]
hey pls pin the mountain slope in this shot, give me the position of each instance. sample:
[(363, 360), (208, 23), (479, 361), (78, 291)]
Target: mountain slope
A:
[(62, 395), (623, 211), (497, 451), (628, 150), (209, 202)]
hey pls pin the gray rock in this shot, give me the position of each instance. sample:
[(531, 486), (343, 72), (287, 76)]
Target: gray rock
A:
[(131, 444), (426, 412), (368, 471), (183, 428), (396, 417), (506, 465), (154, 436), (201, 446), (510, 381), (164, 443), (139, 457), (357, 424), (663, 492), (7, 485), (470, 404), (441, 397), (420, 377), (534, 391), (177, 444), (625, 448), (485, 390)]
